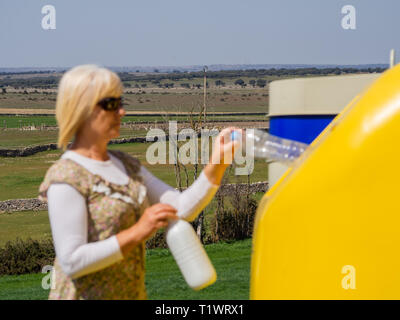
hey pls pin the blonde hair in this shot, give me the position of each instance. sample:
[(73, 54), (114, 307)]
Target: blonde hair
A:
[(80, 89)]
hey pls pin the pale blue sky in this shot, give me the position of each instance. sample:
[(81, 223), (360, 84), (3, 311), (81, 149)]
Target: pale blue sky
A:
[(186, 32)]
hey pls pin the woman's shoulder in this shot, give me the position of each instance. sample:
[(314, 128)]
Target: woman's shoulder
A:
[(65, 171), (127, 160), (65, 168)]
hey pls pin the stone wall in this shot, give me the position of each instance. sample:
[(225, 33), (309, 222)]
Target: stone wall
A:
[(242, 188), (10, 206), (29, 151)]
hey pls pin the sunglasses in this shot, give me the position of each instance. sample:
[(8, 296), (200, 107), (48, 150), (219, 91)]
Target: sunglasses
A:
[(111, 104)]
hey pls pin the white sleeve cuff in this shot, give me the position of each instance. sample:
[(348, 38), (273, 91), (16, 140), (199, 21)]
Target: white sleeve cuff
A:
[(95, 256), (188, 203), (207, 182), (196, 197)]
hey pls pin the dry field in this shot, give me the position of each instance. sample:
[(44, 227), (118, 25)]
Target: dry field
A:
[(20, 177), (166, 100)]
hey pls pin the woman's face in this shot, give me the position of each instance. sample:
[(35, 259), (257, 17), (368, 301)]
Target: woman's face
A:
[(103, 124)]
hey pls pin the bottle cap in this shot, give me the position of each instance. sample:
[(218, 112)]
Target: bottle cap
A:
[(235, 135)]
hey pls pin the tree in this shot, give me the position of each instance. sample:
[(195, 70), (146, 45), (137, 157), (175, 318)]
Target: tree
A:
[(185, 85), (219, 83), (4, 90), (253, 83), (261, 83), (168, 85), (240, 82)]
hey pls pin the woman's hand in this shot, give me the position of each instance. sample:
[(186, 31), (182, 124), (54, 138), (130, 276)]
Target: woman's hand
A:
[(222, 155), (225, 147), (153, 218)]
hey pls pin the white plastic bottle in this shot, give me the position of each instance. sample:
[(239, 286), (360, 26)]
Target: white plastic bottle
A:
[(270, 147), (190, 255)]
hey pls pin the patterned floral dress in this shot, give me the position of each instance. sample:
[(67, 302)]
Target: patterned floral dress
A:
[(111, 209)]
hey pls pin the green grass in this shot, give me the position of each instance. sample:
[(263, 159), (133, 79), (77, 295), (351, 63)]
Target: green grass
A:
[(24, 287), (9, 121), (15, 138), (163, 278), (24, 225), (21, 177), (21, 121), (232, 264)]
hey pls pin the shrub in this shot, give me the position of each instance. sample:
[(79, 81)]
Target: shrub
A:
[(30, 256), (185, 85), (239, 82), (26, 256), (234, 221), (157, 241)]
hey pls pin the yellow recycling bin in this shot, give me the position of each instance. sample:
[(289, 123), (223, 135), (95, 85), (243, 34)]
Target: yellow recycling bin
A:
[(330, 227)]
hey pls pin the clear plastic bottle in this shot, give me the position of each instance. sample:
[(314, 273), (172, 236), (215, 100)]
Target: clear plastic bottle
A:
[(270, 147), (190, 255)]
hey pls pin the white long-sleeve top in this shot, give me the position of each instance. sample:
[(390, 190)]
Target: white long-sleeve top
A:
[(68, 213)]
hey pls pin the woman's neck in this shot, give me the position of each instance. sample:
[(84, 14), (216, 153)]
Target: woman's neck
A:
[(96, 151)]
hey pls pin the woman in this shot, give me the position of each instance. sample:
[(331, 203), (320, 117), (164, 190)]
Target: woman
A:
[(103, 205)]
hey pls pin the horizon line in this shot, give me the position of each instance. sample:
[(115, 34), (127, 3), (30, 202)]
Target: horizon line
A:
[(202, 65)]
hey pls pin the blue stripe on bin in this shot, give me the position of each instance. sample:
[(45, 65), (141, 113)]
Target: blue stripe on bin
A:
[(299, 128)]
